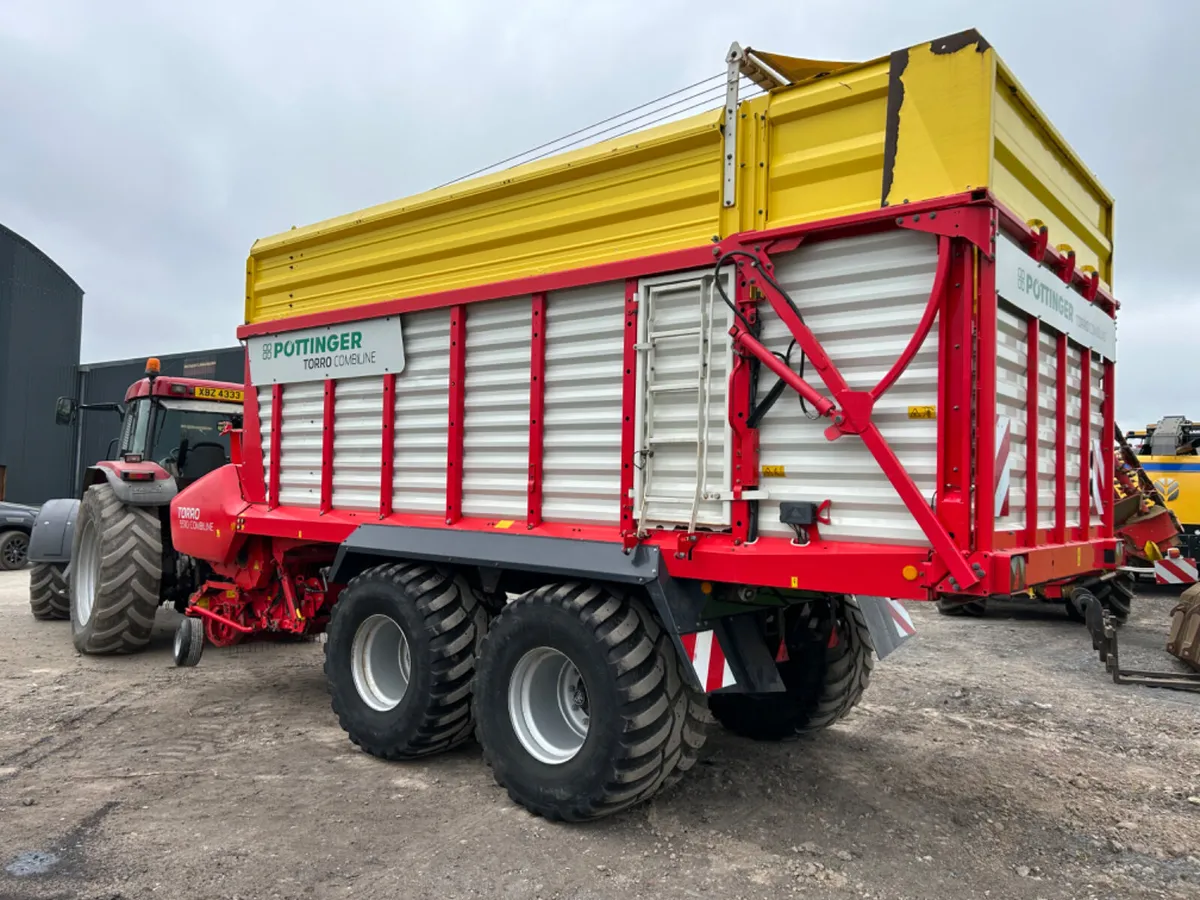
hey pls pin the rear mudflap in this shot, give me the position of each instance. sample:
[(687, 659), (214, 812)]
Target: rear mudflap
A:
[(888, 621)]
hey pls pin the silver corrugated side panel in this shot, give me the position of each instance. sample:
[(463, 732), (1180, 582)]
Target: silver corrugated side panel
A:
[(300, 444), (264, 424), (496, 436), (357, 442), (1012, 393), (581, 446), (1075, 362), (422, 414), (862, 297), (1047, 425)]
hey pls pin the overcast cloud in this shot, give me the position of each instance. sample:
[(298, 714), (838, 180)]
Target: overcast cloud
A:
[(145, 146)]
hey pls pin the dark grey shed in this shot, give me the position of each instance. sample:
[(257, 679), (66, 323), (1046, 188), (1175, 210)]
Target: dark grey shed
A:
[(41, 313)]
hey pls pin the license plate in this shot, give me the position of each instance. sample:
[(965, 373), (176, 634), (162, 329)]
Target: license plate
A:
[(224, 394)]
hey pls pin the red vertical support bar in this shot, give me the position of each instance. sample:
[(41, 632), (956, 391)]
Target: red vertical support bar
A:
[(955, 326), (276, 440), (458, 393), (387, 461), (745, 446), (537, 407), (1108, 439), (1085, 445), (1060, 441), (1032, 444), (628, 411), (327, 449), (984, 277)]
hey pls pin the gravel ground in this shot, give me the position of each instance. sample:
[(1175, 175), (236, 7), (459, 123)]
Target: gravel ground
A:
[(990, 758)]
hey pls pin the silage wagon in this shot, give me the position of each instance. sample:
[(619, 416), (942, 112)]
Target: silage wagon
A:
[(568, 455)]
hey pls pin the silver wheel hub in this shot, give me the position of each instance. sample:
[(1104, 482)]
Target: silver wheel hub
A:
[(85, 574), (548, 706), (380, 662)]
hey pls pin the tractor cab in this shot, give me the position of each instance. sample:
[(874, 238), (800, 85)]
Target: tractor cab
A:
[(176, 423)]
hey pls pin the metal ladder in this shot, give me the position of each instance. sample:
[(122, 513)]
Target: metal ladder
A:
[(653, 388)]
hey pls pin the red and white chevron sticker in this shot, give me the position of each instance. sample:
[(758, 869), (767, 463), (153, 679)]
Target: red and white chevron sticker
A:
[(1003, 464), (1179, 570), (901, 619), (708, 659), (1097, 477)]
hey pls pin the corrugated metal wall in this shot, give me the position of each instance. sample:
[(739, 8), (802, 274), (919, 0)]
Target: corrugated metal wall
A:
[(1012, 393), (862, 297), (581, 449), (41, 311)]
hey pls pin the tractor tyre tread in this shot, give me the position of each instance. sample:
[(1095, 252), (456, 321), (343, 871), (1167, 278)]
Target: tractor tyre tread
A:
[(48, 597), (972, 609), (819, 692), (129, 579), (665, 720), (451, 616)]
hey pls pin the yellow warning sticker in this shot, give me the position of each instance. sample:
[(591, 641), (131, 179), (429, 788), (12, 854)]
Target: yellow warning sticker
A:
[(773, 472), (795, 581), (922, 412), (505, 523)]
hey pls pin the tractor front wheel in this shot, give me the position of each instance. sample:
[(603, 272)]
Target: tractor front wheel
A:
[(828, 666), (116, 573)]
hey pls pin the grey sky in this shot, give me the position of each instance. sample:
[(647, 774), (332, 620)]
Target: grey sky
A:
[(144, 146)]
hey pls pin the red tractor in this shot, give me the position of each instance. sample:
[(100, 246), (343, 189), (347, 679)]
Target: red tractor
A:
[(107, 561)]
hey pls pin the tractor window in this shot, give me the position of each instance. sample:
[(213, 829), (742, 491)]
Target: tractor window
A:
[(136, 427), (198, 423)]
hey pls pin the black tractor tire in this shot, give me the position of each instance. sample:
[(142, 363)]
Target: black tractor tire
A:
[(646, 724), (116, 574), (972, 609), (188, 646), (830, 658), (48, 598), (440, 619), (14, 550), (1116, 595)]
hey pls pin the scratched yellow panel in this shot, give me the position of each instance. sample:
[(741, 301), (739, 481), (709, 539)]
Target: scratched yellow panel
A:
[(826, 146), (1038, 176), (944, 141)]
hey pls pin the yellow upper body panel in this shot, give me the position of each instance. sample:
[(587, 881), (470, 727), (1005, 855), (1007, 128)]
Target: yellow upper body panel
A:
[(929, 121), (1178, 478)]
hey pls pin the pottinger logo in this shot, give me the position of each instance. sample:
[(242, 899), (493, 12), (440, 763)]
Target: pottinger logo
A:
[(267, 350)]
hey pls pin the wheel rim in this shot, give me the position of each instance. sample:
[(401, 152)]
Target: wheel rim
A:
[(179, 635), (16, 551), (86, 574), (380, 662), (548, 706)]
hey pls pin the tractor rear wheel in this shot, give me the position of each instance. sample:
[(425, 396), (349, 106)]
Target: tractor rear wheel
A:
[(48, 598), (583, 704), (116, 573), (400, 659), (972, 609), (828, 667)]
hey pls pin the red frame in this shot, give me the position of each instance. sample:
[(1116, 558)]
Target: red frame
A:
[(457, 404), (968, 555), (387, 467), (327, 446), (537, 407)]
